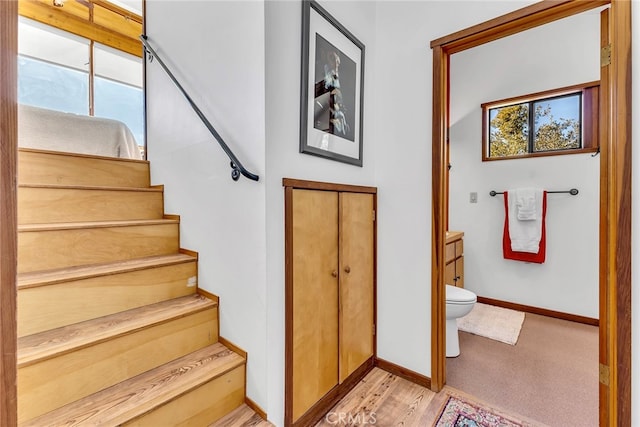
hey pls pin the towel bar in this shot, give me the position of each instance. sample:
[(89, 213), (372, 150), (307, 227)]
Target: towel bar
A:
[(573, 192)]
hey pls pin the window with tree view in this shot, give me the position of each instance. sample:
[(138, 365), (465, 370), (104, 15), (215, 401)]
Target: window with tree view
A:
[(562, 121)]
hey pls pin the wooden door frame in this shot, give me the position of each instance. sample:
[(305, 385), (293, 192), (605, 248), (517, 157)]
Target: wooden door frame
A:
[(8, 209), (615, 192)]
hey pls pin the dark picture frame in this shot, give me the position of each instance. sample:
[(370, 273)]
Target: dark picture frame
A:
[(332, 88)]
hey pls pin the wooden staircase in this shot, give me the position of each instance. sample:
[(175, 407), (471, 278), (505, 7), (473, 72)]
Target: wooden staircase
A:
[(112, 329)]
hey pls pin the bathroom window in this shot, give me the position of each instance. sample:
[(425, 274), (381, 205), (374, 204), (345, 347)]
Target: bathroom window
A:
[(560, 121)]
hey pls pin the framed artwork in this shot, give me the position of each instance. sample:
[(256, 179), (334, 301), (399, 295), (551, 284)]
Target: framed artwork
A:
[(332, 86)]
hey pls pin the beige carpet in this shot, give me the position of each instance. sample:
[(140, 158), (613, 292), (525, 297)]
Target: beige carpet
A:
[(497, 323), (551, 375)]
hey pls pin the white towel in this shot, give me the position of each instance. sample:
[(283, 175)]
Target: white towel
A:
[(526, 203), (525, 234)]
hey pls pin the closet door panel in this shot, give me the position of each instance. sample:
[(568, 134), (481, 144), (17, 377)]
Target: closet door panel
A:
[(356, 281), (315, 297)]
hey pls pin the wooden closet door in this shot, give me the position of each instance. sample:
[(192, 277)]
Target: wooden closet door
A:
[(315, 297), (356, 281)]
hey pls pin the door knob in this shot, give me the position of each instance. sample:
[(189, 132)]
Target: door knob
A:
[(334, 273), (347, 269)]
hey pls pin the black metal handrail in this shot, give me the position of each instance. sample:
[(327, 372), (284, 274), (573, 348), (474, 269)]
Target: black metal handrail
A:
[(236, 166)]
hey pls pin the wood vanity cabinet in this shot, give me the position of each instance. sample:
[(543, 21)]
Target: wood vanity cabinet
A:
[(329, 294), (454, 259)]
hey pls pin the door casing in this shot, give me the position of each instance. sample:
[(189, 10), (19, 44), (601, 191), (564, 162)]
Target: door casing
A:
[(615, 276), (8, 209)]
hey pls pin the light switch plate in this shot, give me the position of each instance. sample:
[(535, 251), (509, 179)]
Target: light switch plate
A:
[(473, 197)]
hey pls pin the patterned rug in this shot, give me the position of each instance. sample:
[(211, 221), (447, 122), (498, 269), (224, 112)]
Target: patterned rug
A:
[(459, 411)]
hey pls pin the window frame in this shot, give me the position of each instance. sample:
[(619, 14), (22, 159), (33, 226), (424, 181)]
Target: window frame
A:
[(98, 21), (103, 25), (589, 119)]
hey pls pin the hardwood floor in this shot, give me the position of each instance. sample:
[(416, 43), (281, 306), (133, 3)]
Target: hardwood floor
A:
[(385, 400), (550, 375), (382, 399)]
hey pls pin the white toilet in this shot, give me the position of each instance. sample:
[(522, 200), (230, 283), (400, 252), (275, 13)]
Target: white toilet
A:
[(459, 303)]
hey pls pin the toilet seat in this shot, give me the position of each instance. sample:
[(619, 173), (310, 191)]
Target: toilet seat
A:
[(455, 295)]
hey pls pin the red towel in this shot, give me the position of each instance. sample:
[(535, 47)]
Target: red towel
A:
[(506, 240)]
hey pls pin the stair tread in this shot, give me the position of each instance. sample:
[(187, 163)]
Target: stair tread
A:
[(140, 394), (54, 167), (94, 224), (152, 189), (87, 156), (48, 277), (52, 343)]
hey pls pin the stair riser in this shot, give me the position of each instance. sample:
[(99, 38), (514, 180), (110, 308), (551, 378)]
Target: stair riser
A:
[(201, 406), (55, 382), (48, 307), (43, 250), (54, 205), (48, 168)]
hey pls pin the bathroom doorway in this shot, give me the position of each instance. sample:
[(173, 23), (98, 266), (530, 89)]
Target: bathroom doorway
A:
[(528, 297), (615, 194)]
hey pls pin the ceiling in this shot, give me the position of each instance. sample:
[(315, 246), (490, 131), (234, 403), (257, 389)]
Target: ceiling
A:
[(132, 5)]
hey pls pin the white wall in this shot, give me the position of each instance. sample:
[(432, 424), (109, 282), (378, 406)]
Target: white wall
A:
[(283, 46), (247, 80), (216, 50), (522, 64), (403, 167), (397, 159)]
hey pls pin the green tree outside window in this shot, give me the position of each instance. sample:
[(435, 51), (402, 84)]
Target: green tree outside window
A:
[(510, 127)]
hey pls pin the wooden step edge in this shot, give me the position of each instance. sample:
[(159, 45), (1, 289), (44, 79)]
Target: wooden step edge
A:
[(209, 295), (25, 228), (150, 189), (36, 279), (141, 394), (233, 347), (243, 415), (86, 156), (256, 409), (56, 342), (188, 252)]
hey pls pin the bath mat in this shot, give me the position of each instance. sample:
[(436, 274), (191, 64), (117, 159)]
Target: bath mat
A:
[(497, 323), (460, 410)]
